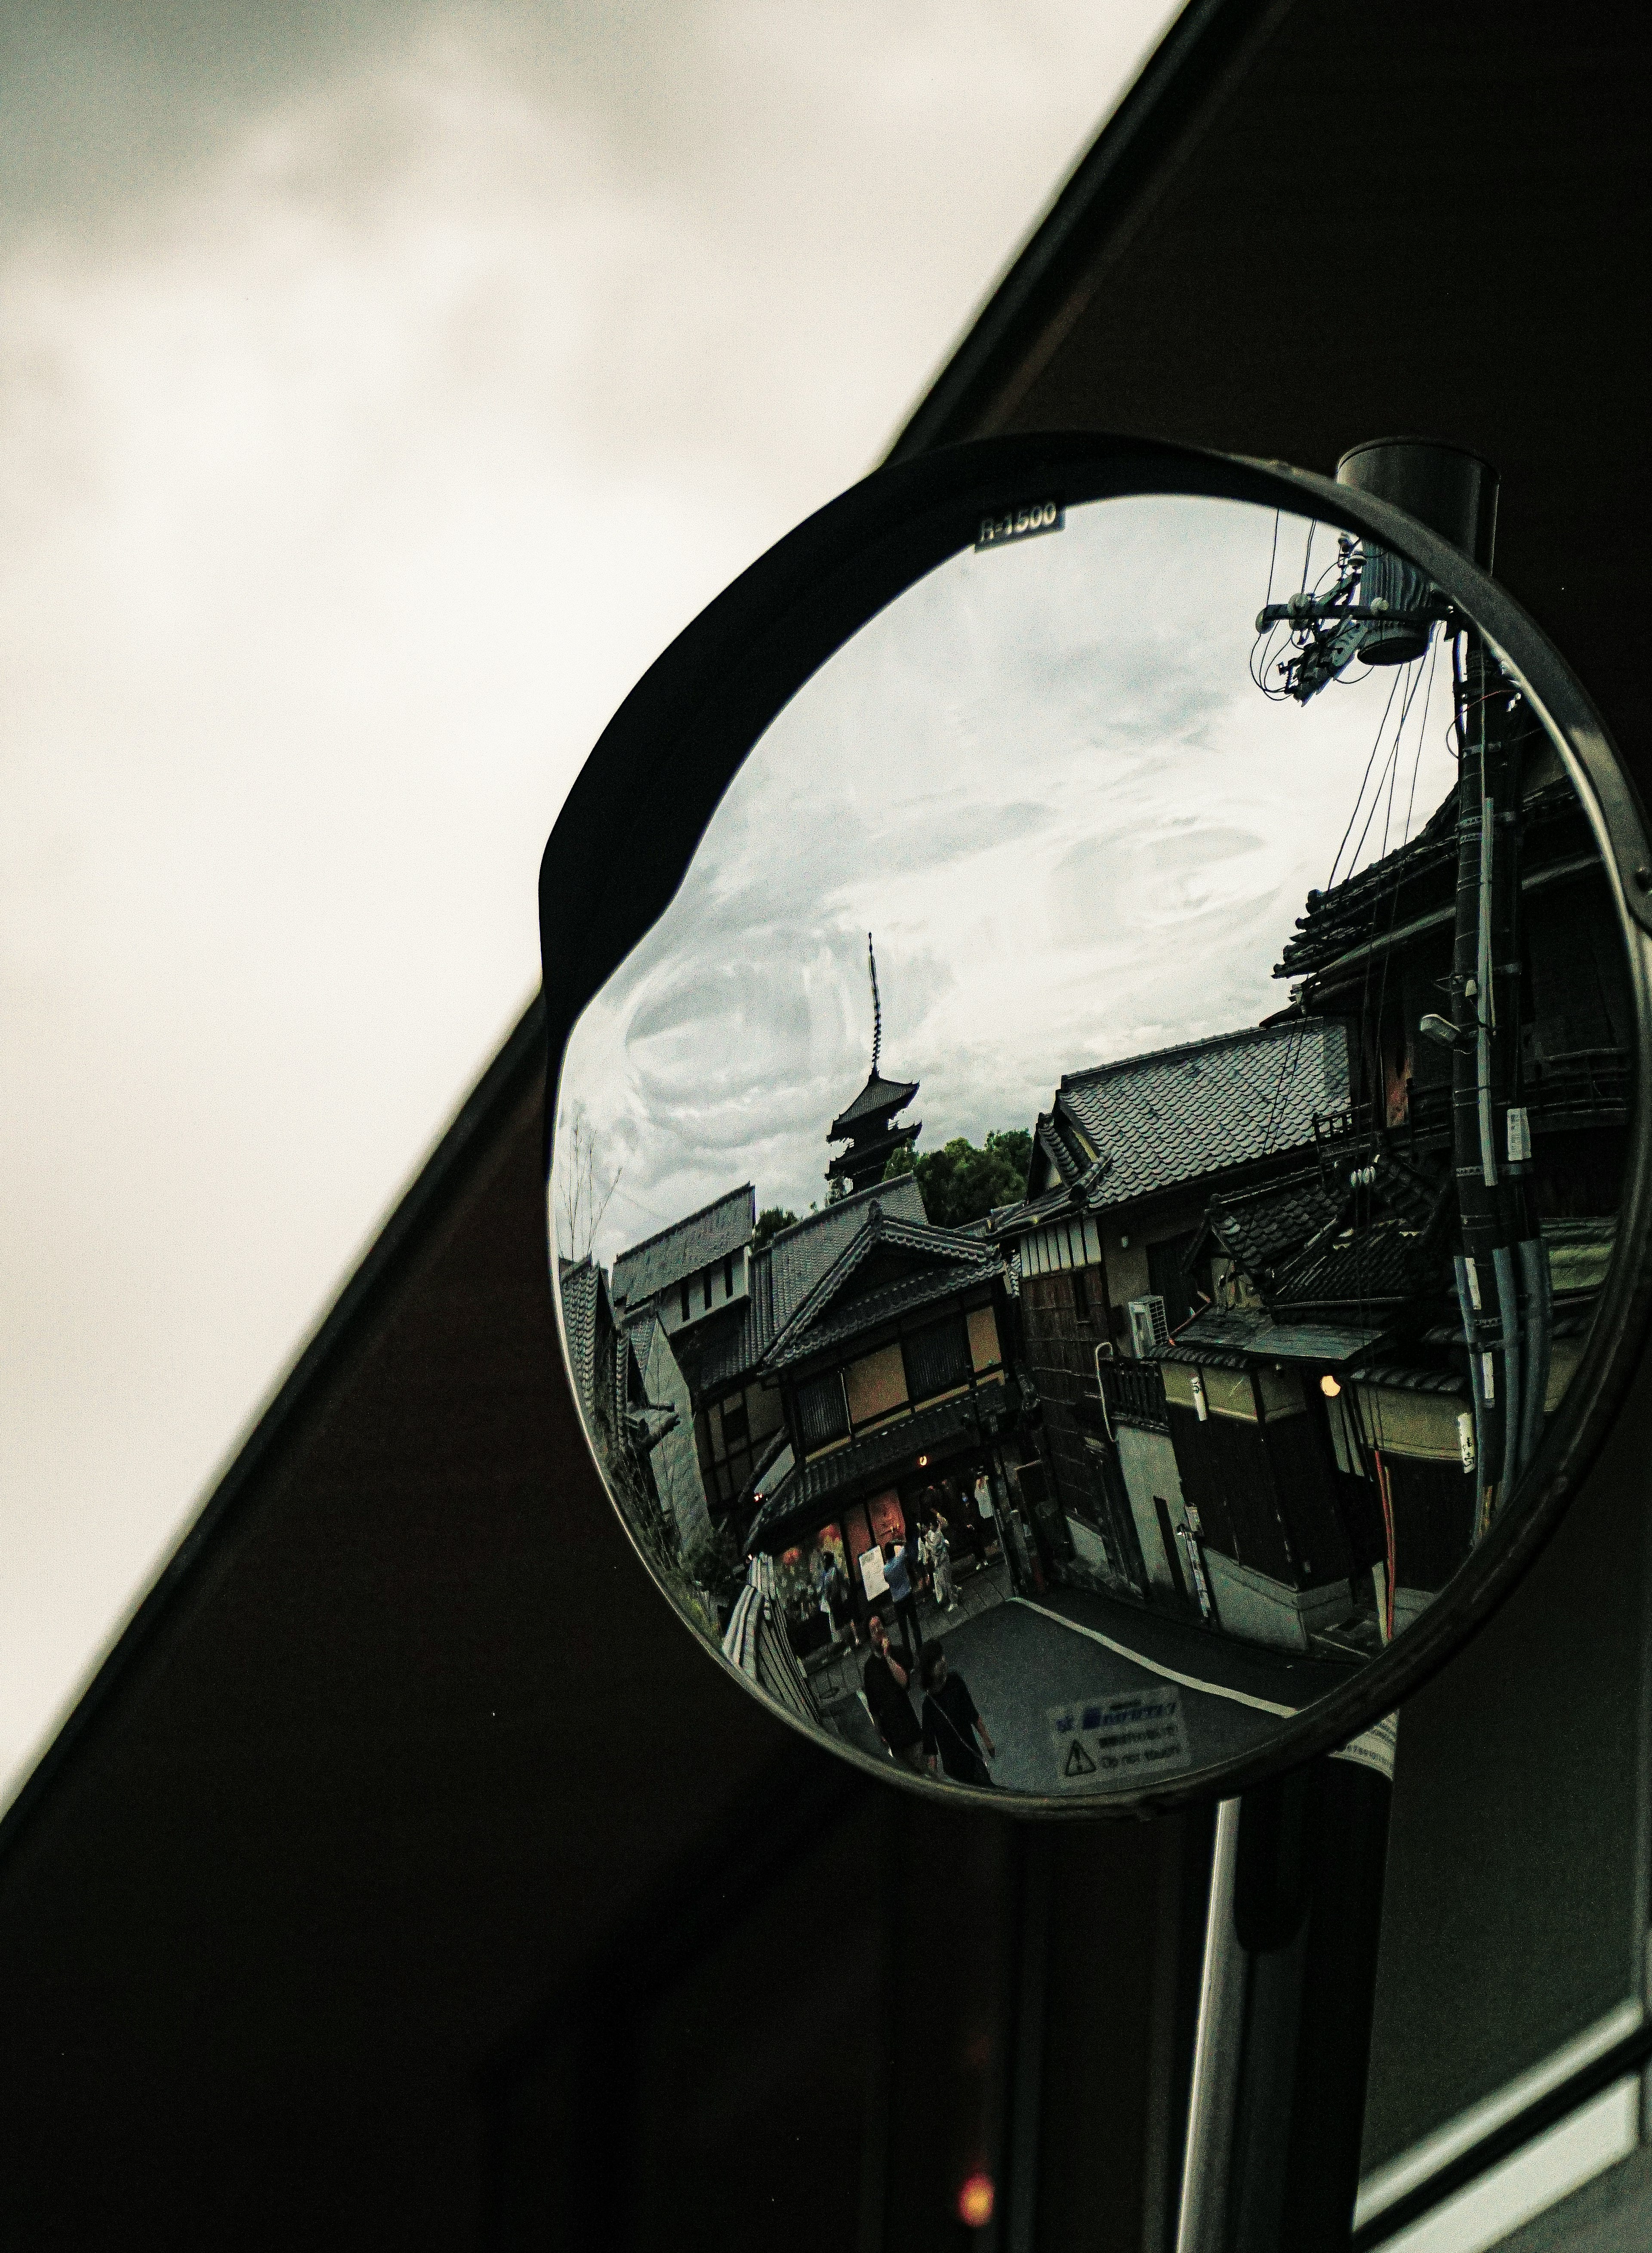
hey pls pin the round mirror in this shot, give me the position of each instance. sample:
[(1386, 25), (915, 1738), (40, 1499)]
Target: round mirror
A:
[(1095, 1206)]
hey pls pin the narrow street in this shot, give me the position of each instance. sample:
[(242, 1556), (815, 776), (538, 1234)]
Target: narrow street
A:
[(1039, 1671)]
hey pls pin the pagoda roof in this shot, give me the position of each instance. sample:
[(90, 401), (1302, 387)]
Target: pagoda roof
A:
[(877, 1099), (860, 1156)]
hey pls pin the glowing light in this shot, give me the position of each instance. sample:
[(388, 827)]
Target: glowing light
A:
[(976, 2199), (922, 1460), (1329, 1386)]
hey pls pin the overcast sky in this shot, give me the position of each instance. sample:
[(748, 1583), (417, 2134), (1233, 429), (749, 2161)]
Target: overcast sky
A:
[(382, 388), (1046, 782)]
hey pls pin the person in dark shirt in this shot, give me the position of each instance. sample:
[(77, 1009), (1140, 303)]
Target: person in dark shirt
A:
[(890, 1701), (903, 1596), (951, 1722)]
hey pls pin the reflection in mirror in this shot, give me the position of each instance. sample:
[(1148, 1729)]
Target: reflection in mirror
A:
[(1072, 1224)]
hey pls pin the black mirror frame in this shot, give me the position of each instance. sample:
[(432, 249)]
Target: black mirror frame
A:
[(643, 797)]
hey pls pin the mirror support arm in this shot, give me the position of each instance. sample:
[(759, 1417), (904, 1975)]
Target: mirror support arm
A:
[(1213, 2098), (1277, 2106)]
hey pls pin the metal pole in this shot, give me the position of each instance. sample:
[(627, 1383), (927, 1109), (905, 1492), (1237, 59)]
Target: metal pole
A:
[(1202, 2223)]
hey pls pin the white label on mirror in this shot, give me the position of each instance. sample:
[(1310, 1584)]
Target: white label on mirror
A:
[(1020, 524), (1115, 1739)]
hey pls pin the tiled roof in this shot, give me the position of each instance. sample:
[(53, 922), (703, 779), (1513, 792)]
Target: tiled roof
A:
[(878, 1097), (799, 1257), (1178, 1114), (809, 1489), (1353, 912), (1405, 1377), (1262, 1229), (1244, 1330), (824, 1317), (1363, 1268), (1016, 1220), (702, 1240), (784, 1272), (580, 1283), (1066, 1162), (1417, 878)]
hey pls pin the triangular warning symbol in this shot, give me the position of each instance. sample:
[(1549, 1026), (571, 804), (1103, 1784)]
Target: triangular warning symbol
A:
[(1078, 1761)]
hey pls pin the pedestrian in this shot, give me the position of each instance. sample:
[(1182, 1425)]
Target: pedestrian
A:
[(898, 1573), (917, 1563), (985, 1508), (841, 1607), (951, 1722), (890, 1700), (938, 1558), (823, 1597)]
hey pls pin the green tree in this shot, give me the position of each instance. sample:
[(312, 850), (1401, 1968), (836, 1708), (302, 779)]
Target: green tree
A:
[(960, 1182), (770, 1223)]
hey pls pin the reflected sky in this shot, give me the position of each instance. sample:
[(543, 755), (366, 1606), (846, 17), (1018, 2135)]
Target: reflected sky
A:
[(1044, 778)]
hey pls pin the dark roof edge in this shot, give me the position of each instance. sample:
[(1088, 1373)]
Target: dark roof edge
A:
[(727, 1197), (1267, 1030), (1190, 59), (425, 1204)]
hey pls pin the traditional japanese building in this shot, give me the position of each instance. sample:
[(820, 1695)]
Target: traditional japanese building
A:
[(894, 1371), (695, 1267), (635, 1406), (1343, 1340), (1289, 1421), (1122, 1169)]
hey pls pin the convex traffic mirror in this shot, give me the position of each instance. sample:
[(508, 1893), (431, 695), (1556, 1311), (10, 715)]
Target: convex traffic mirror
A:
[(1098, 1021)]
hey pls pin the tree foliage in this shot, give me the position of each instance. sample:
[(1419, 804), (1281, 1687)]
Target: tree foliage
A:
[(770, 1221), (962, 1181)]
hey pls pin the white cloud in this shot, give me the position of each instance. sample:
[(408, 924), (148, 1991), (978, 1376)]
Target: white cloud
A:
[(372, 417), (1046, 782)]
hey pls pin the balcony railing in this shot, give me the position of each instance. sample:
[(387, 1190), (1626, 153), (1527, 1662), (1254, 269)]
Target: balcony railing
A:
[(1133, 1392)]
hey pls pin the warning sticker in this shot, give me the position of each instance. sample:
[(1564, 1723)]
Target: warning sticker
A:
[(1126, 1739)]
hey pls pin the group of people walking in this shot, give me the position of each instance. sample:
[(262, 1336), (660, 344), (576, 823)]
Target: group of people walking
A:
[(949, 1734), (920, 1563)]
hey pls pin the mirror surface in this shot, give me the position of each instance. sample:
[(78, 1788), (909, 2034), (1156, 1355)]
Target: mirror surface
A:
[(1070, 1227)]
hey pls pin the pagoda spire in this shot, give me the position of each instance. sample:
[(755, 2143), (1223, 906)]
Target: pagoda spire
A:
[(869, 1123), (877, 1006)]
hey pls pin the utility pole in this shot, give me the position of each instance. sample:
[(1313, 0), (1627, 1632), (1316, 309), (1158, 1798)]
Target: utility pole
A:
[(1383, 611), (1276, 2105), (1502, 1272)]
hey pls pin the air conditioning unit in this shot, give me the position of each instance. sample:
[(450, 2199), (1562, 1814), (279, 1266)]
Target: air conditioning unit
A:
[(1149, 1331)]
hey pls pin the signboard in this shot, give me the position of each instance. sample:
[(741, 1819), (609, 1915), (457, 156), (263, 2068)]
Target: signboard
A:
[(873, 1577), (1129, 1737), (1374, 1749)]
